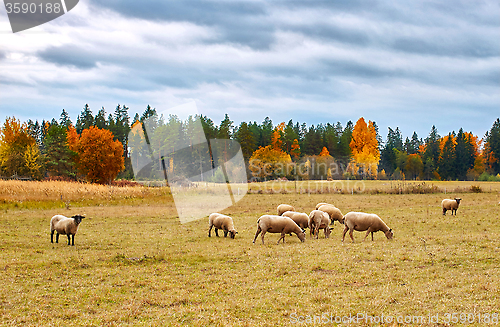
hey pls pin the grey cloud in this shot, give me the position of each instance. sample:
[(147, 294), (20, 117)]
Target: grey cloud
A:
[(2, 55), (69, 56)]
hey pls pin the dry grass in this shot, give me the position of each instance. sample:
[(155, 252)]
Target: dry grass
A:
[(137, 265)]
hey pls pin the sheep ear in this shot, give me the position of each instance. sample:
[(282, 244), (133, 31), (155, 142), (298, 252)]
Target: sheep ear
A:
[(390, 230)]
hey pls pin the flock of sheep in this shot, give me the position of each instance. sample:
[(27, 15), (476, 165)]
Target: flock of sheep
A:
[(287, 221)]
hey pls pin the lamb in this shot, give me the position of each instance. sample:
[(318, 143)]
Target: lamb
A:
[(449, 204), (65, 226), (278, 224), (361, 221), (333, 212), (319, 220), (282, 208), (322, 203), (300, 218), (220, 221)]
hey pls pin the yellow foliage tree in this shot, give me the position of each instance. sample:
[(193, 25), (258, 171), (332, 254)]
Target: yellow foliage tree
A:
[(295, 150), (276, 140), (267, 162), (324, 152), (364, 149)]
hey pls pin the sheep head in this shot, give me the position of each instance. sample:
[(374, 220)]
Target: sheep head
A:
[(458, 200), (78, 218), (232, 233), (301, 236), (389, 234)]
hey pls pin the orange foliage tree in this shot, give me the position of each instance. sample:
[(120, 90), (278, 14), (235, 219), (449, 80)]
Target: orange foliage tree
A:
[(98, 157), (364, 148), (267, 162), (295, 150), (276, 139), (19, 152)]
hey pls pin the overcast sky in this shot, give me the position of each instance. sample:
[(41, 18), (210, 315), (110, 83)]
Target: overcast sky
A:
[(399, 63)]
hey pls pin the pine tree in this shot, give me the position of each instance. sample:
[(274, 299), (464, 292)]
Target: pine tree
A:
[(85, 120), (492, 147), (431, 152), (64, 119), (246, 139), (100, 119), (266, 132), (446, 163), (58, 157)]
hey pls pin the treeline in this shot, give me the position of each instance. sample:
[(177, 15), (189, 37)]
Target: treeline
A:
[(62, 149)]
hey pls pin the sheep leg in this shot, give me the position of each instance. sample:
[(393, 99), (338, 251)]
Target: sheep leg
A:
[(210, 230), (263, 233), (51, 236), (257, 234), (216, 232), (69, 239), (57, 237), (372, 236), (73, 239), (225, 233), (282, 237), (350, 234), (345, 231), (444, 211), (316, 232)]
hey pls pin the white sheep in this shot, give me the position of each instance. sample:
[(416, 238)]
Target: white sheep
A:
[(319, 220), (322, 203), (333, 212), (449, 204), (65, 226), (300, 218), (278, 224), (220, 221), (368, 222), (282, 208)]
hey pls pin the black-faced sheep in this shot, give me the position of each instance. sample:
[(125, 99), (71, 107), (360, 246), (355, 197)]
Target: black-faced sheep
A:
[(333, 212), (220, 221), (65, 226), (278, 224), (449, 204), (319, 220), (282, 208), (368, 222)]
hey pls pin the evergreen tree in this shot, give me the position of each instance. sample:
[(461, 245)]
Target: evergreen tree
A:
[(465, 155), (331, 139), (492, 148), (289, 135), (85, 119), (225, 130), (100, 119), (345, 140), (431, 153), (64, 119), (446, 163), (58, 157), (266, 132), (388, 155), (246, 139)]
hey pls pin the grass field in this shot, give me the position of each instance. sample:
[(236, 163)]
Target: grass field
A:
[(135, 264)]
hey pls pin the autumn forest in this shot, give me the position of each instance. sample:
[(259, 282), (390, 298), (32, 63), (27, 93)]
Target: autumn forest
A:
[(96, 149)]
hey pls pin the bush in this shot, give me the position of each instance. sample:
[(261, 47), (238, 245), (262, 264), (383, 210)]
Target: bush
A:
[(475, 189)]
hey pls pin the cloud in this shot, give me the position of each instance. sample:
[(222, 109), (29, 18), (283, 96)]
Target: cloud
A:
[(71, 55)]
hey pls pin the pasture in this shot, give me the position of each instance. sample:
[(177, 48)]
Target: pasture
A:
[(134, 264)]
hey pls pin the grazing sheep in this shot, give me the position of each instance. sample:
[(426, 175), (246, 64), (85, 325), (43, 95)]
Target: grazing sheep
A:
[(65, 226), (300, 218), (368, 222), (278, 224), (282, 208), (333, 212), (322, 203), (449, 204), (220, 221), (319, 220)]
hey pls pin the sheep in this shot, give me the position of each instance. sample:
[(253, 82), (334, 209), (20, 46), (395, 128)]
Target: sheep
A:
[(322, 203), (278, 224), (361, 221), (449, 204), (220, 221), (65, 226), (333, 212), (319, 220), (282, 208), (300, 218)]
